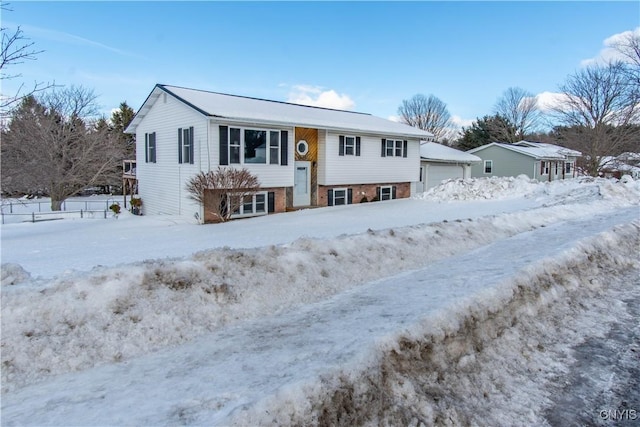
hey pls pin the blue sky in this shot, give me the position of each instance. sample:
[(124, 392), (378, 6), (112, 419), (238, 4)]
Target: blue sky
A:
[(364, 56)]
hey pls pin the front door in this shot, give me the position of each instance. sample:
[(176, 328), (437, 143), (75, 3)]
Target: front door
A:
[(302, 184)]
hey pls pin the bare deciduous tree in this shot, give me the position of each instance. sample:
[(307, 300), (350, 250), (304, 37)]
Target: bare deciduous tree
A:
[(520, 110), (430, 114), (15, 49), (222, 191), (52, 146), (600, 113), (628, 46)]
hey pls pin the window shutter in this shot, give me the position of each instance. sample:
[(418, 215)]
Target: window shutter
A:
[(179, 145), (393, 192), (224, 145), (349, 196), (146, 148), (541, 167), (330, 198), (341, 146), (383, 152), (404, 148), (284, 148), (271, 202), (378, 193), (357, 145)]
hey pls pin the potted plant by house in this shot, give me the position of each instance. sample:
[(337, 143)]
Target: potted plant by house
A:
[(115, 208), (136, 205)]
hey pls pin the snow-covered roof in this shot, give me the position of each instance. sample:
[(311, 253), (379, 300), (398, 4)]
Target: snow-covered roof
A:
[(262, 111), (549, 148), (441, 153), (537, 150)]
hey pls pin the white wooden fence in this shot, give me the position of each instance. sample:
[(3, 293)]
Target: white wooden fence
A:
[(34, 211)]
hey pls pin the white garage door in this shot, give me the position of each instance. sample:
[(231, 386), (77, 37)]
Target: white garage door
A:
[(438, 173)]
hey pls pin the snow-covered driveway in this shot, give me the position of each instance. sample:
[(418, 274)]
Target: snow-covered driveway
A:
[(272, 369)]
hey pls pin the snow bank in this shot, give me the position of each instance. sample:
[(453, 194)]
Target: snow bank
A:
[(493, 359), (561, 191), (113, 314)]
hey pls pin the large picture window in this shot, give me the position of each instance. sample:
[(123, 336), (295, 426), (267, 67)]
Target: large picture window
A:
[(255, 146), (252, 146)]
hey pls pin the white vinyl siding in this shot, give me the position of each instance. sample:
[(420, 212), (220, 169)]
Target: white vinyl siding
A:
[(162, 185), (367, 168)]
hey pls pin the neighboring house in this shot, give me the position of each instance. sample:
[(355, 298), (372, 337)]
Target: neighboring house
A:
[(624, 164), (537, 160), (439, 162), (303, 156)]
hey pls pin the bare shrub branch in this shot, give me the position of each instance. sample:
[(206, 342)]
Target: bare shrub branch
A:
[(223, 191)]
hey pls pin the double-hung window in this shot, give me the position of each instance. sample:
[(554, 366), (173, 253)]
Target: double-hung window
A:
[(150, 147), (393, 148), (348, 145), (544, 167), (274, 147), (567, 167), (488, 166), (234, 146), (185, 145)]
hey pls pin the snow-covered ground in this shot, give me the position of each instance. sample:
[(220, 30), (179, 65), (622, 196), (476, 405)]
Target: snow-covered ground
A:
[(459, 306)]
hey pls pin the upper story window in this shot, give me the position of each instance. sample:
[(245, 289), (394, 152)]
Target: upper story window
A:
[(488, 166), (185, 145), (393, 148), (150, 147), (348, 145), (252, 146)]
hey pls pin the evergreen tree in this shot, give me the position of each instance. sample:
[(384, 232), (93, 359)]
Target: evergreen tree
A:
[(483, 131), (120, 119)]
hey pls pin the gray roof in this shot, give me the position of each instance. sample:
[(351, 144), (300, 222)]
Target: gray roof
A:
[(441, 153), (537, 150), (262, 111)]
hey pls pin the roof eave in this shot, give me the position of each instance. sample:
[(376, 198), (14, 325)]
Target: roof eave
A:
[(241, 120)]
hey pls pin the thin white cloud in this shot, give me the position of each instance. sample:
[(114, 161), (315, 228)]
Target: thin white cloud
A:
[(317, 97), (547, 101), (608, 53), (460, 122), (69, 38)]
